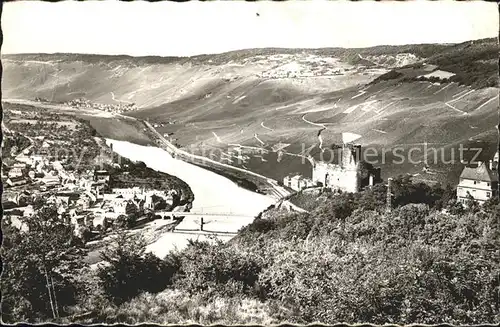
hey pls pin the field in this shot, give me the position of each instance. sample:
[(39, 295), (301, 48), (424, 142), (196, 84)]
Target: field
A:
[(119, 129)]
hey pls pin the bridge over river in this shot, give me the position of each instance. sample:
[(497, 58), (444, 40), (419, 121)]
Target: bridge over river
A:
[(174, 214), (216, 222)]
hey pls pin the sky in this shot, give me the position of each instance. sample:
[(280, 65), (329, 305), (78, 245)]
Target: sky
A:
[(191, 28)]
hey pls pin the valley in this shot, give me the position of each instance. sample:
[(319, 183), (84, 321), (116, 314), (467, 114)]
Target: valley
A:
[(263, 109), (234, 163)]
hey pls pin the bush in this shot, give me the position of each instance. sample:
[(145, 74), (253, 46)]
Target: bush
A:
[(216, 270), (180, 307), (372, 273), (129, 272)]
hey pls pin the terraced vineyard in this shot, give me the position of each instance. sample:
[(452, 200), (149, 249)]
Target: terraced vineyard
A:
[(262, 109)]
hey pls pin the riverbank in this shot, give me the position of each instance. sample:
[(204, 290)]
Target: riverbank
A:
[(212, 193)]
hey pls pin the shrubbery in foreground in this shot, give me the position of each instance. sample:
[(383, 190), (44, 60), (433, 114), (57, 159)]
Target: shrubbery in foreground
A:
[(347, 260)]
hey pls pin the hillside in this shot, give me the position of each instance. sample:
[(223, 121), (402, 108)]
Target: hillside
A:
[(251, 107), (427, 261)]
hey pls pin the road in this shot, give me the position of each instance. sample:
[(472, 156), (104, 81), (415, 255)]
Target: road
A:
[(263, 126), (484, 104), (311, 123), (258, 139), (217, 138), (272, 186), (456, 109)]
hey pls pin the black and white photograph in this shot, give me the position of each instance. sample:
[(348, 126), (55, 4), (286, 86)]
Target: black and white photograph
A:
[(236, 163)]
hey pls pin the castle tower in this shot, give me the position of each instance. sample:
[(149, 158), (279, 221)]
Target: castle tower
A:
[(350, 154), (389, 195)]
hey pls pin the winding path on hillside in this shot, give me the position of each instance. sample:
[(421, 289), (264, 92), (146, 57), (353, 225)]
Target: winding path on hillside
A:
[(449, 103), (270, 129), (359, 94), (484, 104), (258, 139), (311, 123), (217, 138), (462, 95)]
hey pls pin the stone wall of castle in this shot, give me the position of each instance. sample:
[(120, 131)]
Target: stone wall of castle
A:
[(348, 176), (337, 177)]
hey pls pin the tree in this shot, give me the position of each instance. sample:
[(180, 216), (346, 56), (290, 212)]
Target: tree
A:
[(126, 221), (39, 263), (129, 271), (86, 234), (471, 204), (373, 198)]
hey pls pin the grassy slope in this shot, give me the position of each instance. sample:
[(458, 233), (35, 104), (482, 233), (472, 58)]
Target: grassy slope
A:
[(119, 129)]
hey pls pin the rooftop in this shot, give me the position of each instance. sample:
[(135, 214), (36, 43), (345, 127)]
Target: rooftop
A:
[(17, 179), (480, 173), (101, 173)]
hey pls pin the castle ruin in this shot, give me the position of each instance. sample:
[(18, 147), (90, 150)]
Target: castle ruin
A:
[(349, 174)]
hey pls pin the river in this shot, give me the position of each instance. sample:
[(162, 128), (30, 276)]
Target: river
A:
[(212, 193)]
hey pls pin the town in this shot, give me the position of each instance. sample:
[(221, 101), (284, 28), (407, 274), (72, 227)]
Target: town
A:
[(91, 189)]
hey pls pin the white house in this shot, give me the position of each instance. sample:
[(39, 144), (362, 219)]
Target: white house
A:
[(128, 193), (123, 206), (480, 182), (28, 211), (19, 165), (297, 182), (16, 181), (15, 172)]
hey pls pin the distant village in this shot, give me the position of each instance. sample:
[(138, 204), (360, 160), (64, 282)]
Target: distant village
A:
[(115, 108)]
